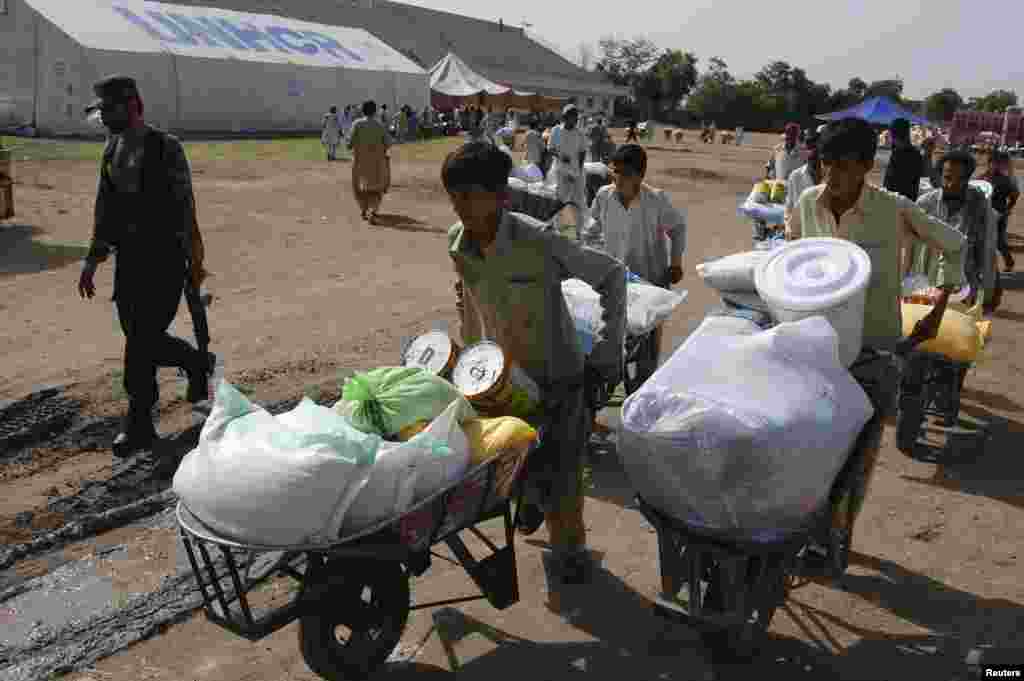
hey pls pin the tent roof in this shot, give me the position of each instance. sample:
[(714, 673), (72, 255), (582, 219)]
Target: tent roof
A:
[(876, 110), (453, 77), (504, 54), (194, 31)]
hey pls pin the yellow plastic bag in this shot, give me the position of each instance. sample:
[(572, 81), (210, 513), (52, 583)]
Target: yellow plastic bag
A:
[(412, 430), (490, 438), (506, 438), (961, 336), (770, 191)]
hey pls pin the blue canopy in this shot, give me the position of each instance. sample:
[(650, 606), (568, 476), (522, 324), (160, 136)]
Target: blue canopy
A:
[(876, 110)]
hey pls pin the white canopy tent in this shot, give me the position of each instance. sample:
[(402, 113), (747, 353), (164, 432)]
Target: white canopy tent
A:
[(454, 83), (198, 68)]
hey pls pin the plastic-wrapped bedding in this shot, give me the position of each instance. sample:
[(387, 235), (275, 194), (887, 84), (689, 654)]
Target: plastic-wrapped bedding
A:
[(743, 430), (733, 273)]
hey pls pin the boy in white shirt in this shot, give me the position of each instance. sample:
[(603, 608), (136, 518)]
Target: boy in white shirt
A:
[(637, 224)]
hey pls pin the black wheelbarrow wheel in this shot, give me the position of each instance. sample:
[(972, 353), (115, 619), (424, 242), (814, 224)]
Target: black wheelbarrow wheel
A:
[(765, 592), (355, 620)]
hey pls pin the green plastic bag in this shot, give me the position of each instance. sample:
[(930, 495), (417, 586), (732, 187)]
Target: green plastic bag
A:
[(386, 400)]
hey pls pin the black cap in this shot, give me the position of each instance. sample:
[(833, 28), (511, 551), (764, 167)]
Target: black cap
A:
[(113, 87)]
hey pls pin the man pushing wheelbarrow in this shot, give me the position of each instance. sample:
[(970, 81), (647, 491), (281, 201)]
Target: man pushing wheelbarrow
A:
[(637, 224), (510, 270)]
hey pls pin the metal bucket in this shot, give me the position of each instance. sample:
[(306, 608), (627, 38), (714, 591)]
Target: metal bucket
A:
[(493, 384), (435, 352)]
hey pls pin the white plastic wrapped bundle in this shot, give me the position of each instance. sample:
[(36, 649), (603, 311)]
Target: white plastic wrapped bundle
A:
[(741, 456), (733, 272), (771, 213), (517, 183), (584, 305), (528, 173), (649, 306)]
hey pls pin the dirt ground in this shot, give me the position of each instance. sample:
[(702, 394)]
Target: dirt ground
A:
[(303, 290)]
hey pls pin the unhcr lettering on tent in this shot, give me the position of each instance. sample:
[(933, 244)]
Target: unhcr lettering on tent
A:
[(226, 33)]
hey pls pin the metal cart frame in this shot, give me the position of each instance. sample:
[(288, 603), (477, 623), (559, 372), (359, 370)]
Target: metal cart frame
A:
[(334, 577)]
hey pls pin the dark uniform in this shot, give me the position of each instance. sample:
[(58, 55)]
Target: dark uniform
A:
[(145, 213)]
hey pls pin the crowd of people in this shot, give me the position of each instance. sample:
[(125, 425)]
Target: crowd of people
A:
[(629, 226)]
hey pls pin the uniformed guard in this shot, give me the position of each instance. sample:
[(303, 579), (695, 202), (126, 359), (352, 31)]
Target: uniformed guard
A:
[(145, 213)]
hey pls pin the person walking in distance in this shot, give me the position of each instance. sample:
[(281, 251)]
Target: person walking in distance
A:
[(145, 214), (331, 134), (570, 147), (371, 167), (1005, 192), (906, 165)]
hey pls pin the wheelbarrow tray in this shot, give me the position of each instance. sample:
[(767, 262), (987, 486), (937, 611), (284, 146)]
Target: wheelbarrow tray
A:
[(227, 580)]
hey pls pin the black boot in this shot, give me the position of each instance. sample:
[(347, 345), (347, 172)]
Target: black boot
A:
[(199, 380), (138, 434)]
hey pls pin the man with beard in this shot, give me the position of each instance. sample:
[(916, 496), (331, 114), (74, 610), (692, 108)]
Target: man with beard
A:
[(786, 157), (806, 176), (966, 209), (145, 213)]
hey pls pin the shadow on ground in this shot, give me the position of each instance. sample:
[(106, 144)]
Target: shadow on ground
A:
[(958, 620), (631, 642), (23, 252), (1011, 281), (404, 223), (1008, 315), (986, 463)]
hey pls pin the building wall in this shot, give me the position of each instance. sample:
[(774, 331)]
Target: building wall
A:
[(17, 68), (968, 124)]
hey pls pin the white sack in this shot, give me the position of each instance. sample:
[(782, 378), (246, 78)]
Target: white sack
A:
[(648, 306), (587, 314), (278, 481), (733, 272), (407, 472), (744, 430)]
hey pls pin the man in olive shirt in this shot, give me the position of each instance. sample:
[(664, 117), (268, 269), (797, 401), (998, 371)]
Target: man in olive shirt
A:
[(145, 212), (885, 225), (510, 272), (880, 222)]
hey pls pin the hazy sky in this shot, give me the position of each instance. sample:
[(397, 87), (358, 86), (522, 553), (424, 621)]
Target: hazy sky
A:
[(931, 45)]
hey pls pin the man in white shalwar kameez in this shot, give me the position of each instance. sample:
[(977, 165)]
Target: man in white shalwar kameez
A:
[(569, 147), (331, 133)]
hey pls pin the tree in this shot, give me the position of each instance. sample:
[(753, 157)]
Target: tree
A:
[(669, 79), (715, 91), (941, 105), (995, 101), (625, 61), (891, 88), (857, 87)]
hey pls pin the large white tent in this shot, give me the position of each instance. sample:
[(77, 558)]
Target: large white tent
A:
[(198, 68)]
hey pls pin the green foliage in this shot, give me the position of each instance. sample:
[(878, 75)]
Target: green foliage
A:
[(994, 102), (941, 105)]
